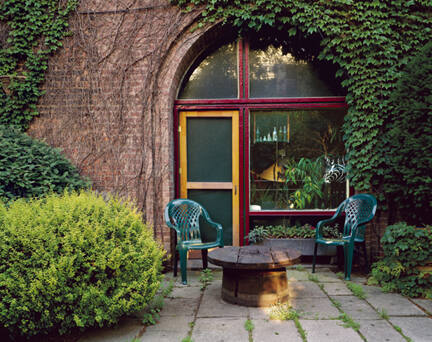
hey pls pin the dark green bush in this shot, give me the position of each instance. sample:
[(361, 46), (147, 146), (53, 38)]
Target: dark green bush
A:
[(30, 168), (405, 249), (73, 261)]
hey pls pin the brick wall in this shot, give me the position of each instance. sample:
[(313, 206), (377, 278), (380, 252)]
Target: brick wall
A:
[(110, 93)]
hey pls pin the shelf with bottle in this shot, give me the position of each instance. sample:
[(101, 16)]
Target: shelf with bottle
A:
[(277, 135)]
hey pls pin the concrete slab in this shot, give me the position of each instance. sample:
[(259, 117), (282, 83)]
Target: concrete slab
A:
[(394, 304), (328, 331), (259, 313), (192, 278), (225, 329), (275, 331), (419, 329), (192, 292), (126, 331), (326, 276), (337, 289), (179, 307), (297, 275), (357, 308), (160, 336), (304, 289), (212, 304), (379, 330), (425, 304), (181, 324), (314, 308)]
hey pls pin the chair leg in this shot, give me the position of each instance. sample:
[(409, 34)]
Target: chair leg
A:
[(183, 265), (175, 263), (314, 257), (365, 257), (349, 250), (204, 253)]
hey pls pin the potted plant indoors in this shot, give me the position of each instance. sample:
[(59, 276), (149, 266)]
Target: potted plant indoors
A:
[(300, 238)]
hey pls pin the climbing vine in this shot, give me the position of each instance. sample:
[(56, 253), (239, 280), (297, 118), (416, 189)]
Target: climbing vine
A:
[(32, 30), (370, 42)]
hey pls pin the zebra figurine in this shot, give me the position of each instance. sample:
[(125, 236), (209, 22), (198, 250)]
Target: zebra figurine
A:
[(335, 171)]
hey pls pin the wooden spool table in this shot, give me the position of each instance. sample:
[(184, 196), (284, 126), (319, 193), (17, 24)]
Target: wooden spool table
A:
[(254, 275)]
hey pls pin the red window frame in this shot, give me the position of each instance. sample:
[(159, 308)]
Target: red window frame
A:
[(244, 104)]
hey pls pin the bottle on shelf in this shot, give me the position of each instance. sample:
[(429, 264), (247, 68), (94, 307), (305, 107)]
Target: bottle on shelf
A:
[(275, 137), (257, 136), (285, 138), (280, 135), (269, 137)]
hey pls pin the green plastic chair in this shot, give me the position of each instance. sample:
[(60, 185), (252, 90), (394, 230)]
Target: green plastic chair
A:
[(358, 210), (183, 216)]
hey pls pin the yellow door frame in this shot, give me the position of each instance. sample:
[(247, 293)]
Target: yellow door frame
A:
[(234, 184)]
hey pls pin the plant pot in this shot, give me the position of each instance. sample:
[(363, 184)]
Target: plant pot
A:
[(304, 246)]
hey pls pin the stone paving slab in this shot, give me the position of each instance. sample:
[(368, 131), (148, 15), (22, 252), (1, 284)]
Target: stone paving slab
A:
[(275, 331), (337, 289), (179, 307), (419, 329), (329, 331), (314, 308), (168, 329), (425, 304), (304, 289), (357, 308), (326, 276), (185, 292), (126, 330), (227, 329), (379, 330), (212, 304), (297, 275), (393, 303)]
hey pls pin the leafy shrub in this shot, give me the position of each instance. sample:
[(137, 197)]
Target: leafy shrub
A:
[(405, 248), (31, 168), (74, 261)]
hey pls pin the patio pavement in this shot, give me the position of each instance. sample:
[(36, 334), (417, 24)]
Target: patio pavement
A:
[(320, 301)]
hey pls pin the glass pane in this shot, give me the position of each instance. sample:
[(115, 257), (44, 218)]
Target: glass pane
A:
[(297, 159), (209, 150), (218, 204), (274, 74), (214, 78)]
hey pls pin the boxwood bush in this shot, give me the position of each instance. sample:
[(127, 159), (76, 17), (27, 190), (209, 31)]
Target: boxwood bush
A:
[(406, 250), (29, 167), (73, 261)]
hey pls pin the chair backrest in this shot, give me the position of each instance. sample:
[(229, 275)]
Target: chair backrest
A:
[(183, 216), (359, 210)]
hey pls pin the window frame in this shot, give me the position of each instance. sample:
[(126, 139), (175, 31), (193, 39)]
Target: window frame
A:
[(244, 104)]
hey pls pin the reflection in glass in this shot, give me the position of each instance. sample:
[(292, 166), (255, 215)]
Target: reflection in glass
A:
[(274, 74), (215, 77), (297, 159)]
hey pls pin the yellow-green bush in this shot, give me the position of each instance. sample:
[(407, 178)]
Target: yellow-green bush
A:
[(73, 260)]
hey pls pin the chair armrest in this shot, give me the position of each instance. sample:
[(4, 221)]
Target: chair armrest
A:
[(217, 226), (320, 224)]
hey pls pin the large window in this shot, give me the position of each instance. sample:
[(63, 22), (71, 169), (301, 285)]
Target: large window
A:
[(296, 159), (291, 112)]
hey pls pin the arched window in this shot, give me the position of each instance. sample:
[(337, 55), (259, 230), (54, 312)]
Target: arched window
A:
[(290, 112)]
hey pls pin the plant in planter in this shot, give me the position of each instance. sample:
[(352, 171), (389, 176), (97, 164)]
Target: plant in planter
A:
[(297, 237)]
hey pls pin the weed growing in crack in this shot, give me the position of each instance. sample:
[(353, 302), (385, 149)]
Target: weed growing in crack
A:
[(206, 278), (356, 289)]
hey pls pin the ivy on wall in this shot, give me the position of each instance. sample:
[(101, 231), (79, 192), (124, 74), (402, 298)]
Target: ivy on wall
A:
[(32, 30), (370, 42)]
